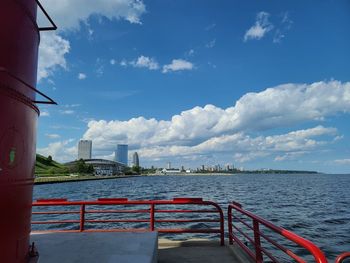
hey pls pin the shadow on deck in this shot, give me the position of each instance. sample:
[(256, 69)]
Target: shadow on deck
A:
[(198, 251)]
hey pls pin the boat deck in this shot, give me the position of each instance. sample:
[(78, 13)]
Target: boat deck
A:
[(101, 247), (128, 247), (198, 251)]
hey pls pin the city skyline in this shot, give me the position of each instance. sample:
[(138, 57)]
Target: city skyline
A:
[(251, 83)]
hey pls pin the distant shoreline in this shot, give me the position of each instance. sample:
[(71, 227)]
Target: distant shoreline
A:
[(234, 173), (68, 179)]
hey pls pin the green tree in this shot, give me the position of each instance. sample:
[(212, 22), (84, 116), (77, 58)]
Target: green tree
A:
[(90, 169), (81, 166), (136, 169)]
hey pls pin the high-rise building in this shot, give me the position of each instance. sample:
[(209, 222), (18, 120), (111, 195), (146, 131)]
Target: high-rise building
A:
[(169, 165), (84, 149), (121, 154), (135, 159)]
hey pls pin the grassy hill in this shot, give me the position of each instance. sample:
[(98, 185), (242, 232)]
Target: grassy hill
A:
[(45, 166)]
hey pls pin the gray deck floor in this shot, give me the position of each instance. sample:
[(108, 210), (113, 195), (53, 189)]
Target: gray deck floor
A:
[(197, 251), (101, 247), (128, 247)]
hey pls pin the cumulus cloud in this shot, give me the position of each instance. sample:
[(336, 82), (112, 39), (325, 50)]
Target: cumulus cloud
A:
[(62, 151), (69, 15), (81, 76), (260, 28), (208, 129), (145, 62), (177, 65), (247, 147), (52, 50)]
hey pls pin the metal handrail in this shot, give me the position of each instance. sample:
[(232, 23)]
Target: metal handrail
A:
[(49, 100), (342, 257), (83, 213), (258, 253)]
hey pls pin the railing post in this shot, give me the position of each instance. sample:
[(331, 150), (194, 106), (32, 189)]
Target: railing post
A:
[(82, 218), (222, 228), (152, 217), (257, 243), (229, 221)]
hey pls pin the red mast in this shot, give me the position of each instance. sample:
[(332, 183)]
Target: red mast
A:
[(19, 42)]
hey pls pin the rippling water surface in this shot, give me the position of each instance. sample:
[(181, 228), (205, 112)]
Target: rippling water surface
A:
[(315, 206)]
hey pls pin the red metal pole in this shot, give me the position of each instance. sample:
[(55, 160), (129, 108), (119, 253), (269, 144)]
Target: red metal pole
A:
[(222, 228), (229, 221), (152, 217), (257, 243), (82, 218)]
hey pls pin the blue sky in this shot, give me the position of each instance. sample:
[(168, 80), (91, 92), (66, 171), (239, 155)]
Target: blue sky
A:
[(252, 83)]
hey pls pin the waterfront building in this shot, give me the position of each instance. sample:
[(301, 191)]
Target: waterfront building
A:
[(171, 171), (135, 160), (84, 149), (102, 167), (121, 154), (169, 165)]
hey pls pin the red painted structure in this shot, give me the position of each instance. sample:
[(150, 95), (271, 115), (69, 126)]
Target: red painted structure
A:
[(341, 258), (88, 211), (88, 215), (236, 212), (19, 41)]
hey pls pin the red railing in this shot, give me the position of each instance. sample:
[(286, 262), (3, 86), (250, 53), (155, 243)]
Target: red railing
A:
[(342, 257), (151, 207), (259, 252)]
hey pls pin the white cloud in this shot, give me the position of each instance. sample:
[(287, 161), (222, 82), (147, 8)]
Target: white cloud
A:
[(67, 112), (52, 50), (52, 135), (277, 38), (152, 64), (245, 147), (44, 113), (68, 15), (81, 76), (260, 28), (123, 63), (145, 62), (211, 44), (190, 52), (285, 25), (210, 129), (177, 65), (113, 61), (342, 161), (61, 151)]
